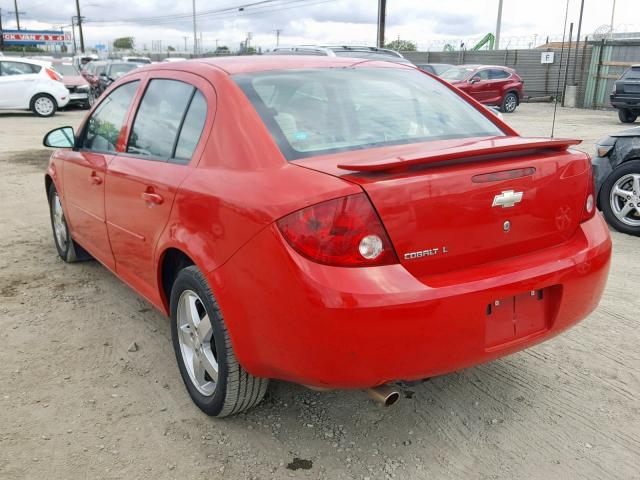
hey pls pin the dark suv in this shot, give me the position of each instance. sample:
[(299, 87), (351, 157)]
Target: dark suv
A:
[(626, 95), (112, 72)]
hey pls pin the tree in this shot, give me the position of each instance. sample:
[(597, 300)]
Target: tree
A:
[(222, 49), (401, 46), (170, 49), (124, 43)]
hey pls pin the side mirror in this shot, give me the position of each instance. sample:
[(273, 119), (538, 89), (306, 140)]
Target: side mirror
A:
[(474, 80), (62, 137)]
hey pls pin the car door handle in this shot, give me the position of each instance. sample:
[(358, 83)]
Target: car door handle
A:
[(150, 197), (95, 179)]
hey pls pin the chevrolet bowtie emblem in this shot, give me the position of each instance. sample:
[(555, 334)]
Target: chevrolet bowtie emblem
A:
[(508, 198)]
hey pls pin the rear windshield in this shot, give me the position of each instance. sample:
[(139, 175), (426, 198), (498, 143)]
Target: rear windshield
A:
[(329, 110), (632, 74)]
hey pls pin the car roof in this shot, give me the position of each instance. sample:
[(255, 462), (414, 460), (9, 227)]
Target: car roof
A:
[(261, 63), (41, 63)]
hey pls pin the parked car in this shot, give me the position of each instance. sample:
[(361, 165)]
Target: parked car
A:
[(626, 95), (489, 84), (92, 71), (113, 71), (31, 85), (174, 59), (434, 68), (616, 167), (145, 60), (410, 235), (353, 51), (79, 88)]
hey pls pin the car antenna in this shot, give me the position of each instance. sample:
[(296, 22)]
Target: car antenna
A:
[(555, 105)]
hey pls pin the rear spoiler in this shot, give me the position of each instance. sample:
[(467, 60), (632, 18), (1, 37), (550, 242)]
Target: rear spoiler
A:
[(494, 146)]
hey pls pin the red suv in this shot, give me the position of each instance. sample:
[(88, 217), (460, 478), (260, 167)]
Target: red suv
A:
[(489, 84)]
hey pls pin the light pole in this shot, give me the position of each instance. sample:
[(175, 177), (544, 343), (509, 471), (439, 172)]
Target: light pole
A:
[(382, 13), (613, 13), (195, 38), (498, 25)]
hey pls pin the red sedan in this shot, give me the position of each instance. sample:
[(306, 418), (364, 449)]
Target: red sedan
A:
[(488, 84), (326, 221)]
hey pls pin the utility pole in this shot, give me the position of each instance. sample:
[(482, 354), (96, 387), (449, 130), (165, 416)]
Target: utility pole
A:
[(195, 37), (17, 12), (498, 26), (575, 56), (80, 26), (382, 14), (73, 32), (1, 33), (613, 13), (278, 32), (217, 40), (185, 43)]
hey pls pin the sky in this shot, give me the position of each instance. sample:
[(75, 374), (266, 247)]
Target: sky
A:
[(428, 23)]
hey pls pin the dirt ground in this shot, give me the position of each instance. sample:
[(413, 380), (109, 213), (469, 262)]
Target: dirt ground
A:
[(75, 403)]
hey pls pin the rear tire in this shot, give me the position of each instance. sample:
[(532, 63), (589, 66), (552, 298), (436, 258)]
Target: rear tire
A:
[(613, 203), (627, 116), (216, 382), (67, 248), (509, 103), (43, 105)]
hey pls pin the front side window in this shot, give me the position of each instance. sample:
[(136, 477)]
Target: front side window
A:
[(103, 128), (159, 118), (321, 111), (457, 73), (17, 68)]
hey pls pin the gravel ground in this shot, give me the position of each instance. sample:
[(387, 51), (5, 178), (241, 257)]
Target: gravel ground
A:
[(76, 403)]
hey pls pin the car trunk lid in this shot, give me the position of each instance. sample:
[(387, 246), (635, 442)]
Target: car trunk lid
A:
[(453, 204)]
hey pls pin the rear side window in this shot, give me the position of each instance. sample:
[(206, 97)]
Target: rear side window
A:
[(497, 74), (103, 128), (632, 74), (163, 110), (191, 128), (17, 68)]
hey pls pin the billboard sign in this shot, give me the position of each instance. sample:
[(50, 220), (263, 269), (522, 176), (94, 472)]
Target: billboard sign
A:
[(35, 37)]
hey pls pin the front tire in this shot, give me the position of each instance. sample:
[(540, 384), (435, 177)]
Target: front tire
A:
[(509, 103), (44, 105), (67, 248), (216, 382), (620, 198), (627, 116)]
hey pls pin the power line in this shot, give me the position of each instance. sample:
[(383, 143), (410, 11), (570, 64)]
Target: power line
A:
[(203, 13)]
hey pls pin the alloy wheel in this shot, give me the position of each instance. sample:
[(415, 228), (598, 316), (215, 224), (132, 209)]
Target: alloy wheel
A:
[(625, 199), (510, 103), (59, 223), (197, 345)]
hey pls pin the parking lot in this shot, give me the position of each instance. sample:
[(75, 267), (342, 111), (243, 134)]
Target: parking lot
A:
[(76, 403)]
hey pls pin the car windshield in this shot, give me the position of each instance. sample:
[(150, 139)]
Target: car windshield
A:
[(457, 73), (119, 69), (328, 110), (632, 74), (65, 69)]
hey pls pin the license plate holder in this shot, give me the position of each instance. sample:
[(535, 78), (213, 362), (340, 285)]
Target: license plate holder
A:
[(512, 318)]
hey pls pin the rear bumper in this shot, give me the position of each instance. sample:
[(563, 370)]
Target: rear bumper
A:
[(631, 101), (296, 320)]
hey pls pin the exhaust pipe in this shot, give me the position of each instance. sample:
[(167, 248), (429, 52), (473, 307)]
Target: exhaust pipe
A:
[(384, 395)]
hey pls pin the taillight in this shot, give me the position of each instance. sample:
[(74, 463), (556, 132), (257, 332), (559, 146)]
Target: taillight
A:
[(589, 209), (53, 75), (344, 232)]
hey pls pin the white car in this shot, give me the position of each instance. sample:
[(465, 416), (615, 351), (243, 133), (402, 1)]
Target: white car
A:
[(27, 84)]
